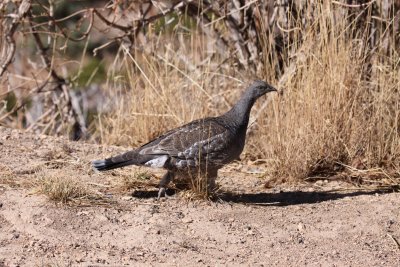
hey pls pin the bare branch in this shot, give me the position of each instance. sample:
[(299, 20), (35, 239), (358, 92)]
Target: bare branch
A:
[(9, 34)]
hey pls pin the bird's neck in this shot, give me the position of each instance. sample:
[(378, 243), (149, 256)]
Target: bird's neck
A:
[(240, 112)]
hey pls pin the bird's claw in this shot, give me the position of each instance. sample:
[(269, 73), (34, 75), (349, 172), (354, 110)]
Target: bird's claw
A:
[(161, 193)]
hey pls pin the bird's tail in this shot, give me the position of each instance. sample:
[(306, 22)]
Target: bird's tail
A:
[(128, 158)]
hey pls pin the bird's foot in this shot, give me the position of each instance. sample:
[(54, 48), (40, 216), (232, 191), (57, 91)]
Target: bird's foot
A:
[(161, 193)]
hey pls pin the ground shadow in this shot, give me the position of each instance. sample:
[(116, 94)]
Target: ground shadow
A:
[(297, 197), (279, 199), (146, 194)]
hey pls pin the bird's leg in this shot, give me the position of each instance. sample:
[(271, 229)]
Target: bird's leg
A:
[(165, 180)]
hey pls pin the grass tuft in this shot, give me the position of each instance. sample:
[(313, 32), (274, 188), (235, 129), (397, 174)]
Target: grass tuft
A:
[(138, 179), (61, 188), (7, 176)]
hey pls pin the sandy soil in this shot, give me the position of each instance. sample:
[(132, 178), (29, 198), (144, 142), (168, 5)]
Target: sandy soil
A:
[(319, 224)]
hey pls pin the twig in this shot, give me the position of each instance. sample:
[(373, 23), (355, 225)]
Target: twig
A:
[(102, 46), (133, 114), (44, 115), (110, 23), (145, 203), (99, 185), (287, 30), (64, 18), (353, 5), (44, 56), (64, 33)]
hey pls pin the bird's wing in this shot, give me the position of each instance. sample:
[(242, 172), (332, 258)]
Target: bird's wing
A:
[(200, 136)]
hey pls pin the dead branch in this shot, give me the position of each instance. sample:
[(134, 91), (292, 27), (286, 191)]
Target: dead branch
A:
[(9, 49)]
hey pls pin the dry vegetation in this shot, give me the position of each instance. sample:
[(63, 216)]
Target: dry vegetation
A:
[(139, 179), (60, 188), (336, 65), (114, 74), (331, 115), (338, 110)]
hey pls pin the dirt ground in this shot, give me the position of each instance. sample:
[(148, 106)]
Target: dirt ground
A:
[(326, 223)]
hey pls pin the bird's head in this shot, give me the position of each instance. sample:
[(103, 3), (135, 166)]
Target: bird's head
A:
[(240, 112), (259, 88)]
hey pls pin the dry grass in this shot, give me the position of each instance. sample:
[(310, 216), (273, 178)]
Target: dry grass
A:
[(331, 114), (194, 187), (138, 179), (60, 187), (340, 106), (7, 176), (160, 96)]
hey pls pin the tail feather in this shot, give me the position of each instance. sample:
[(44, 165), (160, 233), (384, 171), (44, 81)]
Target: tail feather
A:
[(108, 164), (129, 158)]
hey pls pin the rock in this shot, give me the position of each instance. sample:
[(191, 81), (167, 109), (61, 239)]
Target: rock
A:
[(126, 198), (301, 227), (15, 236), (187, 220), (80, 213)]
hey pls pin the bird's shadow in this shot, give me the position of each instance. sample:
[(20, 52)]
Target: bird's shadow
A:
[(281, 198), (297, 197)]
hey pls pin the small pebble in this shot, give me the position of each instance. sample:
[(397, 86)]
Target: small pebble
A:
[(301, 227), (187, 220)]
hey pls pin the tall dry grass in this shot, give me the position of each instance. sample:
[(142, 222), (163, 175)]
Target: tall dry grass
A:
[(340, 106), (339, 109), (159, 94)]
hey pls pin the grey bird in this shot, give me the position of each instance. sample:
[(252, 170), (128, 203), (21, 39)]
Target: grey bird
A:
[(201, 146)]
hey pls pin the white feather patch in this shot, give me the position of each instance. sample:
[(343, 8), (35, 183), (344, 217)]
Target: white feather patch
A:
[(157, 162)]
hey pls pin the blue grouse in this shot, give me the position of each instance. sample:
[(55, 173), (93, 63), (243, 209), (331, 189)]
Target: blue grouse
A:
[(201, 146)]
